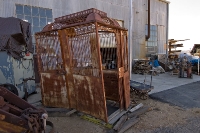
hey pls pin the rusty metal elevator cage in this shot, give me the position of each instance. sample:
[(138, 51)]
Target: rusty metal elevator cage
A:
[(83, 61)]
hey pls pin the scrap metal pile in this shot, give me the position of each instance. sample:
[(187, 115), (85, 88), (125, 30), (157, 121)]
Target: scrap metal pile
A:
[(20, 115)]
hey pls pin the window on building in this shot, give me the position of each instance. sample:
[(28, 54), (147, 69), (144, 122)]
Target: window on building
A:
[(37, 16), (152, 43)]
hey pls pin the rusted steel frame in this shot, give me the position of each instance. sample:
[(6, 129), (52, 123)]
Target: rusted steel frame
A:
[(110, 26), (38, 53), (122, 65), (80, 15), (68, 26), (100, 67), (39, 62), (82, 23), (117, 34), (127, 53), (106, 74), (126, 84), (14, 110), (63, 38), (13, 119), (126, 75), (13, 99), (122, 48)]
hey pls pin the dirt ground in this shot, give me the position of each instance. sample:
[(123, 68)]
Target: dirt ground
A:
[(162, 115)]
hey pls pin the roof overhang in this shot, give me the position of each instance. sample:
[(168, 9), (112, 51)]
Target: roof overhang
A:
[(165, 1)]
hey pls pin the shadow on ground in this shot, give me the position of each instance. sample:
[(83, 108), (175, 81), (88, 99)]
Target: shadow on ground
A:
[(185, 96)]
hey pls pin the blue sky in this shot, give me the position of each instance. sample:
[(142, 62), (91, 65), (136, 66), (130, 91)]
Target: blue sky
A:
[(184, 21)]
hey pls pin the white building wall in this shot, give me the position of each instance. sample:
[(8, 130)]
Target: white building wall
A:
[(118, 9), (158, 17)]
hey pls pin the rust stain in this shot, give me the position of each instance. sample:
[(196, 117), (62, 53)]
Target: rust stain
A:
[(54, 91), (90, 98), (121, 72), (111, 85)]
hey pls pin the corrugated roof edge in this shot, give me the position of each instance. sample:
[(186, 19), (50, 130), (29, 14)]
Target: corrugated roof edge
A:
[(165, 1)]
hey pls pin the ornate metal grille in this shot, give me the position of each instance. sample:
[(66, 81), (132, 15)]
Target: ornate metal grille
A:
[(84, 51), (49, 51), (108, 47)]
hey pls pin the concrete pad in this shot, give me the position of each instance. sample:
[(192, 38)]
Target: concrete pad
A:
[(164, 81)]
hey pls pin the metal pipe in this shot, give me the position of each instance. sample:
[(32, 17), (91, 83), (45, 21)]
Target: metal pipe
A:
[(131, 37), (167, 28), (148, 36)]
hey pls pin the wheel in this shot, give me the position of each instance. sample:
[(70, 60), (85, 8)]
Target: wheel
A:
[(144, 96), (136, 92), (11, 88), (131, 89)]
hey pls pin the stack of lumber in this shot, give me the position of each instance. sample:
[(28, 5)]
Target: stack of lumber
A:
[(130, 118)]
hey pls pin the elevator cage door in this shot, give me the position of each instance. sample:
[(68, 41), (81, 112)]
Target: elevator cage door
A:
[(82, 61)]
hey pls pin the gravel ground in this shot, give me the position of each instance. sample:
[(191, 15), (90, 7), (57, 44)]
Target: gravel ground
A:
[(192, 126), (163, 118)]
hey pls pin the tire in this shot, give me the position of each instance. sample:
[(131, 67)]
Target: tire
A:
[(11, 88)]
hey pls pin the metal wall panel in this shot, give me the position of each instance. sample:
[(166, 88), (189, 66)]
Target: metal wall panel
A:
[(118, 9), (162, 40), (158, 17)]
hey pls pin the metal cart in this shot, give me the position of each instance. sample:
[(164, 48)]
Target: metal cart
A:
[(141, 89)]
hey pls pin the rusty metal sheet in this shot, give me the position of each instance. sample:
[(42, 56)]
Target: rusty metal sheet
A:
[(54, 92), (126, 83), (90, 96), (110, 78)]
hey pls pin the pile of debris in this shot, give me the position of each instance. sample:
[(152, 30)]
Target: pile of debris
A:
[(141, 67), (20, 115), (118, 122), (130, 118)]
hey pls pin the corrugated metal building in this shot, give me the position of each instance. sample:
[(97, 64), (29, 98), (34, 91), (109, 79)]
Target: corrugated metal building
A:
[(135, 19)]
